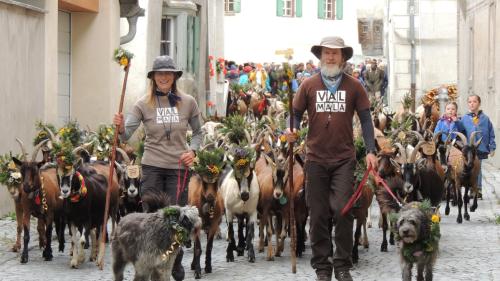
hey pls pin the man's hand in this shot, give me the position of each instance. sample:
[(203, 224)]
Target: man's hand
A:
[(492, 153), (187, 158), (371, 160), (291, 136)]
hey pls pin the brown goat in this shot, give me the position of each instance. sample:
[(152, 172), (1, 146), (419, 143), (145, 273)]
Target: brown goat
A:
[(41, 200), (205, 196), (361, 214), (464, 171)]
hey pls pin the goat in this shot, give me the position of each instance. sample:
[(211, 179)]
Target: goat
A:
[(130, 185), (424, 179), (389, 170), (464, 171), (361, 214), (240, 191), (84, 191), (40, 198), (204, 194)]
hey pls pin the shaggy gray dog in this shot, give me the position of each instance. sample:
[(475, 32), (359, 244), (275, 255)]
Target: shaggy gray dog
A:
[(413, 227), (144, 238)]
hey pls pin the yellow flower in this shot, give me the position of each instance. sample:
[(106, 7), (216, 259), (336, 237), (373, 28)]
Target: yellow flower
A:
[(241, 163), (283, 138), (63, 157), (68, 167), (213, 169), (124, 61), (435, 219)]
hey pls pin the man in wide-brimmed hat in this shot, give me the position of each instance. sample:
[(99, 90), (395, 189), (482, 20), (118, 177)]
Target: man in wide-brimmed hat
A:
[(331, 98)]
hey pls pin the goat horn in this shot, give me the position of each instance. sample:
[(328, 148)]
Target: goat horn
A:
[(462, 137), (78, 149), (23, 150), (401, 151), (437, 137), (415, 151), (37, 148), (418, 135), (248, 136), (472, 138), (53, 137), (124, 155)]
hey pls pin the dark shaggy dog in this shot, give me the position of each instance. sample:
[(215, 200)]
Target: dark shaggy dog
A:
[(414, 230), (147, 240)]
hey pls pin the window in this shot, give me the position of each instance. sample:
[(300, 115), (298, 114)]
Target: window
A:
[(167, 36), (232, 6), (289, 8), (330, 9)]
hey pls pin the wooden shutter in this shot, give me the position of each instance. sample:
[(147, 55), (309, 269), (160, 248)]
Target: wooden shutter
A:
[(237, 6), (339, 9), (279, 8), (321, 9), (298, 8)]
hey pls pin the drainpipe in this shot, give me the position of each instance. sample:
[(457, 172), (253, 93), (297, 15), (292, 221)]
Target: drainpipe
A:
[(413, 66), (130, 9)]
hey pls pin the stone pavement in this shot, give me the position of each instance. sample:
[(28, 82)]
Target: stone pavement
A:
[(470, 251)]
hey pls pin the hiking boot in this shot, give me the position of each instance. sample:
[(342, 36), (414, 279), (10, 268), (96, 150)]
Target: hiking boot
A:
[(343, 275), (323, 276)]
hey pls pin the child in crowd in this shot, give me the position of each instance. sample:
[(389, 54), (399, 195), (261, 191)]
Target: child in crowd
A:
[(473, 121), (446, 123)]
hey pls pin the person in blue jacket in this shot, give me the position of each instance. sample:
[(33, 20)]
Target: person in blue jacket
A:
[(476, 120), (447, 123)]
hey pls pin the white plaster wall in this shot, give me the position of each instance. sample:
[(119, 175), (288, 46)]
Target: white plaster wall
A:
[(436, 47), (22, 97), (256, 33), (96, 79)]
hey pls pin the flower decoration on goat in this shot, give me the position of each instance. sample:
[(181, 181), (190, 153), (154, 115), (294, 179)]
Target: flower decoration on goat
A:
[(181, 234), (70, 132), (235, 129), (43, 132), (243, 160), (425, 246), (65, 158), (9, 172), (123, 57), (209, 164), (102, 141)]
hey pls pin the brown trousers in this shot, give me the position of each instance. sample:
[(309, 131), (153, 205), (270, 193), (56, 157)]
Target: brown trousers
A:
[(328, 188)]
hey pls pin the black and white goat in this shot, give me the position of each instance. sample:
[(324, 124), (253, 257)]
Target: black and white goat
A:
[(130, 185)]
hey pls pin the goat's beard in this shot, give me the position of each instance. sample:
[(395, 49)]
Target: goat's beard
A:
[(330, 70)]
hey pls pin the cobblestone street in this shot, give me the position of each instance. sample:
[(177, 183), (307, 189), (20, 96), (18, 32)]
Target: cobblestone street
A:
[(470, 251)]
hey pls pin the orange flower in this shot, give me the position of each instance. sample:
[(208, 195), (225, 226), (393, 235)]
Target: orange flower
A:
[(210, 57), (210, 103)]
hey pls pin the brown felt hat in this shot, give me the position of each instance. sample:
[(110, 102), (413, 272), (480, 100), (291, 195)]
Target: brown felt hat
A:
[(332, 42)]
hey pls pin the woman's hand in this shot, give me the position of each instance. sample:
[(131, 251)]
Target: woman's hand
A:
[(118, 121), (187, 158)]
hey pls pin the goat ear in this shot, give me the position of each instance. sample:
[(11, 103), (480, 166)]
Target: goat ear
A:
[(18, 162)]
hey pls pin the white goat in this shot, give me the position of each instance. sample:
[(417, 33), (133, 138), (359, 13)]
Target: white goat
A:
[(241, 196)]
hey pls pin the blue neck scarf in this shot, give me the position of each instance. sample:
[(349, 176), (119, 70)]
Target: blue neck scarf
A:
[(172, 98), (332, 83)]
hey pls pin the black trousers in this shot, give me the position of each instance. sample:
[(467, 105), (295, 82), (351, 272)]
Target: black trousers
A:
[(159, 180), (328, 189)]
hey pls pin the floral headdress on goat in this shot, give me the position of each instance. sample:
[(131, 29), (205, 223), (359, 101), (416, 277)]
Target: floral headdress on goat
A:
[(65, 158), (209, 164), (9, 172), (243, 160), (70, 132), (102, 141), (43, 132), (429, 244)]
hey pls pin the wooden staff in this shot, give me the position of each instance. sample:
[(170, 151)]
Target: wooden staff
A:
[(112, 168), (293, 242)]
